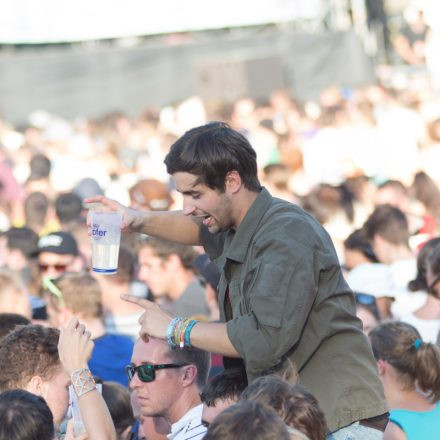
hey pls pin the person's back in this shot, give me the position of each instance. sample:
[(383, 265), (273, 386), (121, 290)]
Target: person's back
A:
[(410, 371), (24, 416)]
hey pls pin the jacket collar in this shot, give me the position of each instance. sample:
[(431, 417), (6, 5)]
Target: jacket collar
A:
[(241, 238)]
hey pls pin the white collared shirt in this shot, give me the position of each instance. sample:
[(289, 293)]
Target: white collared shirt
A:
[(189, 427)]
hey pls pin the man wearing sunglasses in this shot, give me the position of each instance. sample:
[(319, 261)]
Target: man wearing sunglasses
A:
[(167, 384), (58, 253)]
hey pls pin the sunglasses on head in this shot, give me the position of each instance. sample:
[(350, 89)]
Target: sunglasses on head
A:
[(58, 267), (147, 372)]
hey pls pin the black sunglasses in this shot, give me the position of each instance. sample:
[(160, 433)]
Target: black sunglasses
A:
[(147, 372)]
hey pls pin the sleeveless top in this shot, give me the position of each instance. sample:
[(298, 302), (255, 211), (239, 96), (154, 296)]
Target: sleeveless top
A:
[(418, 425)]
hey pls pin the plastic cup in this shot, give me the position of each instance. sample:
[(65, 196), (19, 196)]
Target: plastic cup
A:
[(106, 237)]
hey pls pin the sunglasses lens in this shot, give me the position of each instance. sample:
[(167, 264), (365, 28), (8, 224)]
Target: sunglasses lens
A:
[(145, 373)]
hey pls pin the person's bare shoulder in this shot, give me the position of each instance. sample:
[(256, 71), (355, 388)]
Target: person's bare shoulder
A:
[(393, 432)]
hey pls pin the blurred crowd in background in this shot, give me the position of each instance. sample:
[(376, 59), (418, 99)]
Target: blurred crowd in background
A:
[(364, 162)]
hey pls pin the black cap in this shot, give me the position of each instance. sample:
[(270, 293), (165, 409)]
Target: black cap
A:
[(62, 243)]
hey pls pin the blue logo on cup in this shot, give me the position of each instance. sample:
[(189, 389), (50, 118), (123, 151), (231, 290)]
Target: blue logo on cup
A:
[(96, 232)]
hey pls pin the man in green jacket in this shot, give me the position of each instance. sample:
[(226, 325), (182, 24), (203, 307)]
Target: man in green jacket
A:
[(282, 296)]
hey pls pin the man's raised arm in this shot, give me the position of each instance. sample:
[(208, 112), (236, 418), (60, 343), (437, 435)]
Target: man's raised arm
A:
[(170, 225)]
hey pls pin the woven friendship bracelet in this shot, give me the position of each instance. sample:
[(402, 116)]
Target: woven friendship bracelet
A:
[(82, 381), (170, 332)]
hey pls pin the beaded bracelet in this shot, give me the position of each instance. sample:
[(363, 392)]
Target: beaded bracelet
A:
[(189, 327), (170, 332), (82, 381)]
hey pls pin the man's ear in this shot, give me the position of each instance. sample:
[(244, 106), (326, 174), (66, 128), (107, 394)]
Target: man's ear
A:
[(36, 386), (189, 375), (233, 181)]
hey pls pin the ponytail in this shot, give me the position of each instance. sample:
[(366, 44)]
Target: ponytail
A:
[(417, 363), (427, 367)]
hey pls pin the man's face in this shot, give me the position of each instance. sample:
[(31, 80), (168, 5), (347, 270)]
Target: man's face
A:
[(56, 394), (155, 272), (210, 206), (52, 265), (161, 396), (211, 412)]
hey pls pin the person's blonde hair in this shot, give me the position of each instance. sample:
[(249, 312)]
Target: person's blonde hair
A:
[(81, 294)]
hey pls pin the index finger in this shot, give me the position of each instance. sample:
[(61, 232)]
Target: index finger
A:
[(142, 302)]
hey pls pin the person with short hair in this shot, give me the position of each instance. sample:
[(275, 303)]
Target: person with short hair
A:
[(13, 294), (222, 391), (167, 383), (168, 270), (68, 209), (282, 294), (297, 407), (410, 372), (24, 416), (29, 360), (79, 294), (247, 420), (57, 253), (9, 321), (386, 229), (18, 245)]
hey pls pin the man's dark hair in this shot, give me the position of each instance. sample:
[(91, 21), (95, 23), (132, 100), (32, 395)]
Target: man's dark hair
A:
[(28, 351), (247, 420), (356, 241), (23, 239), (227, 385), (68, 207), (294, 404), (390, 223), (191, 355), (35, 208), (210, 152), (25, 416), (8, 322)]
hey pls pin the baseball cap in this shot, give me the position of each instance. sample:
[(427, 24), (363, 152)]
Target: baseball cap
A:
[(62, 243)]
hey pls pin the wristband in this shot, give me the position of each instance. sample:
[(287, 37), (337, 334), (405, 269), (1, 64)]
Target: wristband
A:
[(170, 332), (82, 381), (188, 329)]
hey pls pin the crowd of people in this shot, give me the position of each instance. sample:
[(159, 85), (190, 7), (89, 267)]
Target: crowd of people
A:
[(234, 317)]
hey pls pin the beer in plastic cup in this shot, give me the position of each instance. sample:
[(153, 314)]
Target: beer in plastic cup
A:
[(106, 236)]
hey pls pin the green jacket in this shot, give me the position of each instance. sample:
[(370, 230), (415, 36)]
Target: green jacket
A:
[(283, 295)]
